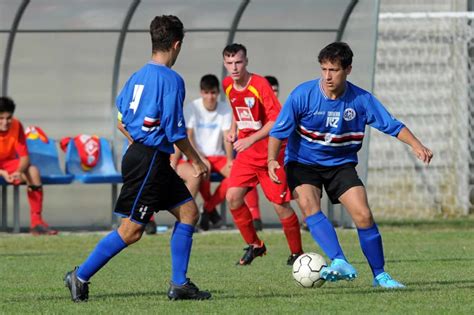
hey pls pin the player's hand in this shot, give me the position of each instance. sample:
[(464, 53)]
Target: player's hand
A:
[(174, 161), (208, 166), (200, 169), (423, 154), (242, 144), (230, 137), (273, 165), (13, 178)]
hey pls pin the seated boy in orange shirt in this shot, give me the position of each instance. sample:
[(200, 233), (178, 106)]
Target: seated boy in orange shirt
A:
[(15, 165)]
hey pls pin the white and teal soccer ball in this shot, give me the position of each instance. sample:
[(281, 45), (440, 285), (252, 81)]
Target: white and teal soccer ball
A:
[(306, 270)]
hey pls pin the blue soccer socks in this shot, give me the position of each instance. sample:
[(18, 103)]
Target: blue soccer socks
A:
[(181, 243), (107, 248), (371, 244), (325, 235)]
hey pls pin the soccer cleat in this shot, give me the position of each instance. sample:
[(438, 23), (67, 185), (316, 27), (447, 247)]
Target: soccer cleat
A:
[(150, 227), (291, 260), (41, 229), (187, 291), (204, 222), (329, 274), (79, 290), (250, 253), (216, 219), (385, 281), (345, 270), (258, 225)]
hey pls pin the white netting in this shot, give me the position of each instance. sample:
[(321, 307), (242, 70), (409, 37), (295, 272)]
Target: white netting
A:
[(424, 76)]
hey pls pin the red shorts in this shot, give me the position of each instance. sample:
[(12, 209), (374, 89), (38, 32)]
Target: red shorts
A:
[(245, 175), (9, 165), (217, 162)]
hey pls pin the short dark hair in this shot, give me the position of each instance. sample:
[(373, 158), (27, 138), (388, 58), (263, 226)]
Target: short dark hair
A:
[(7, 105), (233, 49), (272, 80), (209, 82), (337, 51), (164, 31)]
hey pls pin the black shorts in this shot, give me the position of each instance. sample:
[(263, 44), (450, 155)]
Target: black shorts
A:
[(336, 179), (149, 184)]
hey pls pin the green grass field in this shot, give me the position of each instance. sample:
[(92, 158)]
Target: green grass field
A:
[(435, 261)]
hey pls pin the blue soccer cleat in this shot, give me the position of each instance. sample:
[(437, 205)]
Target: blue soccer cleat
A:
[(385, 281), (344, 269), (328, 274)]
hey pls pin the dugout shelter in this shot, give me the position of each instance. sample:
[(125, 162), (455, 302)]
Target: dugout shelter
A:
[(63, 62)]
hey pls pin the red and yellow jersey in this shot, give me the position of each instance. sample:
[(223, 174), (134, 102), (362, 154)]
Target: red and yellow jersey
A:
[(12, 142), (252, 108)]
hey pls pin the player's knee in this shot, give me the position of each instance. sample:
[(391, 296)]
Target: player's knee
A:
[(308, 205), (234, 200), (193, 218), (283, 210), (131, 237), (190, 217), (130, 232), (363, 219)]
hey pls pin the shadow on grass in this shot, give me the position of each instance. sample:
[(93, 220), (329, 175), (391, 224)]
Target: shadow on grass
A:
[(418, 260), (452, 259), (327, 290), (99, 297)]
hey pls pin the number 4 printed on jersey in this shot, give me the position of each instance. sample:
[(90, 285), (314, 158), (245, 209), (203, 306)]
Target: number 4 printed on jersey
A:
[(137, 94)]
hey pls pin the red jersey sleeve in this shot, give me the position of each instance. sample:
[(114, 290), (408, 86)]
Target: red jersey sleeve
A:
[(20, 147)]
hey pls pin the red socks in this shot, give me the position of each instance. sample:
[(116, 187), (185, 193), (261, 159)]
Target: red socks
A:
[(35, 198), (217, 197), (251, 200), (205, 189), (243, 220), (291, 228)]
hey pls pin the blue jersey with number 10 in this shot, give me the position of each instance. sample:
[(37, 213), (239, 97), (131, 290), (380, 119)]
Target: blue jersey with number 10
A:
[(327, 132), (150, 107)]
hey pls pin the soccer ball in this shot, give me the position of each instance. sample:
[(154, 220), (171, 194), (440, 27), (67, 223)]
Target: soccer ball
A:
[(306, 270)]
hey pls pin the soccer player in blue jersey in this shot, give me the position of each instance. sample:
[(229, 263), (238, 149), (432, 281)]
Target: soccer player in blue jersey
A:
[(150, 109), (324, 121)]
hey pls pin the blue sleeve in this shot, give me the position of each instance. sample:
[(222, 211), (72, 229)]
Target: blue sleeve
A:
[(172, 119), (286, 121), (379, 117)]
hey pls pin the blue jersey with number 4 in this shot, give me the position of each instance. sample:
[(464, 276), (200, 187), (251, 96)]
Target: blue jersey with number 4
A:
[(327, 132), (150, 107)]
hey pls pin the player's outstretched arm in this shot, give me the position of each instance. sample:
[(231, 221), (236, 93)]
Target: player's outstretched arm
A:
[(274, 145), (199, 167), (419, 150)]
